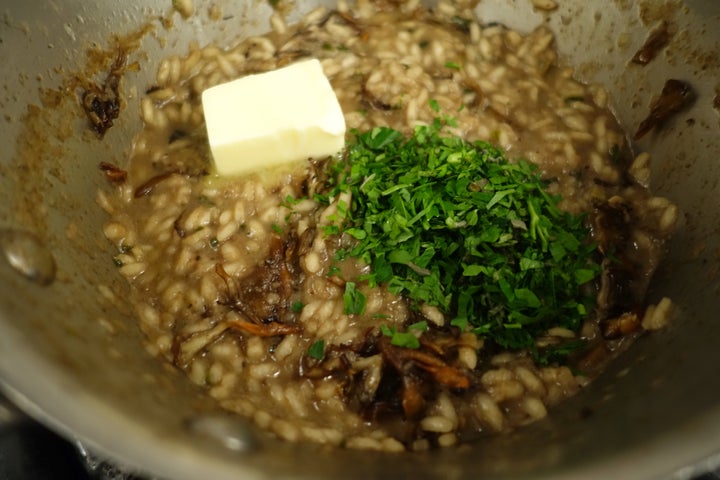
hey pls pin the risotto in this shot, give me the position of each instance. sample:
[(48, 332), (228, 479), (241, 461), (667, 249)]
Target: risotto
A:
[(238, 282)]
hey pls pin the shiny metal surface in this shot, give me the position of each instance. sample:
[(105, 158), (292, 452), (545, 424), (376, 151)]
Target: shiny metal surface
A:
[(71, 355), (23, 252)]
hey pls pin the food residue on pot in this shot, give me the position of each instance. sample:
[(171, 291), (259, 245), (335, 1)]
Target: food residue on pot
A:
[(102, 102), (113, 173), (676, 95), (185, 8), (653, 11), (545, 5), (656, 41)]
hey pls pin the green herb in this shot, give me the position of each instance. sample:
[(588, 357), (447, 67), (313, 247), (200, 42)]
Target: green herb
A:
[(329, 47), (421, 326), (277, 228), (291, 201), (461, 23), (455, 225), (615, 155), (354, 300), (342, 209), (317, 350), (452, 65), (330, 229), (205, 200), (557, 353), (297, 306), (400, 339)]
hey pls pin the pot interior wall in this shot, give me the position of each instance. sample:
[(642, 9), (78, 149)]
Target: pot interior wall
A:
[(71, 354)]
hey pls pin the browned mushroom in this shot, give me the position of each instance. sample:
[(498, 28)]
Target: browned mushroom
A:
[(102, 103), (621, 326), (413, 402), (655, 42), (113, 173), (675, 96), (147, 188), (404, 358), (270, 329)]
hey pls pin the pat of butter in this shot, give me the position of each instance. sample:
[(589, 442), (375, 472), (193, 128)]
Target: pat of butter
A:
[(269, 119)]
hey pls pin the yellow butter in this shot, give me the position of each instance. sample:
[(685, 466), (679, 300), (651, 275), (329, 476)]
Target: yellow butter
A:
[(269, 119)]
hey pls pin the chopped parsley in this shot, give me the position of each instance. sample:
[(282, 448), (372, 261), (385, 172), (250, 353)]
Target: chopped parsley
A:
[(354, 300), (454, 224), (556, 353), (297, 306), (291, 201), (400, 339), (615, 155), (421, 326), (330, 47), (461, 23), (317, 350)]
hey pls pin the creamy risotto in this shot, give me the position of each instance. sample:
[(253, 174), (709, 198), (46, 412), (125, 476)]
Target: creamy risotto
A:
[(238, 282)]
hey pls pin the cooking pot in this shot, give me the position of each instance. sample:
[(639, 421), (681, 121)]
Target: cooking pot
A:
[(72, 356)]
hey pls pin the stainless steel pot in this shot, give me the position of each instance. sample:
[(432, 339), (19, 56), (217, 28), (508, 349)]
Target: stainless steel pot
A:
[(70, 357)]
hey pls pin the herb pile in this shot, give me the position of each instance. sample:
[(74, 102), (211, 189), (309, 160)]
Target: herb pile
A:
[(455, 225)]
